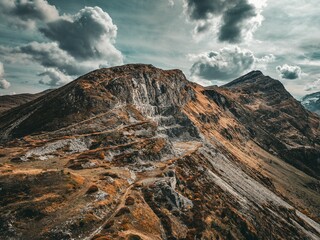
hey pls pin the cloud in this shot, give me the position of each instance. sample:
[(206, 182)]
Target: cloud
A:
[(50, 55), (1, 70), (90, 35), (226, 64), (238, 18), (289, 72), (171, 2), (76, 44), (54, 77), (26, 13), (4, 84), (313, 86), (234, 21), (262, 63)]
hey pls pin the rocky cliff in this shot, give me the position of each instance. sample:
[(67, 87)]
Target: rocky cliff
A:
[(136, 152)]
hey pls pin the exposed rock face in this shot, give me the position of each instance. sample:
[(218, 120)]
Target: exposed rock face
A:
[(136, 152), (275, 120), (312, 102), (153, 92)]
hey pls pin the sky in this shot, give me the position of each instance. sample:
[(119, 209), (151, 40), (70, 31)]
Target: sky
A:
[(46, 44)]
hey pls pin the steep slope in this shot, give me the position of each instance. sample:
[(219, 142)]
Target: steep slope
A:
[(10, 101), (96, 93), (276, 121), (136, 152), (312, 102)]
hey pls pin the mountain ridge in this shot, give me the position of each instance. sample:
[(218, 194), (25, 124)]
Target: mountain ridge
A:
[(141, 153), (251, 76), (312, 102), (10, 101), (280, 116)]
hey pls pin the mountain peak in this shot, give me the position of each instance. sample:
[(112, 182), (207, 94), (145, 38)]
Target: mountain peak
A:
[(311, 95), (312, 102), (256, 81), (129, 70), (150, 89), (249, 77)]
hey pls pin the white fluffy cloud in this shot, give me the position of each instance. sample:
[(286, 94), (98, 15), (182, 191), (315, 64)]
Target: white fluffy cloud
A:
[(171, 2), (54, 77), (289, 72), (226, 64), (262, 63), (4, 84), (76, 43)]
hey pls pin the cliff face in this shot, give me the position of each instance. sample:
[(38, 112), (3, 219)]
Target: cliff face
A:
[(136, 152)]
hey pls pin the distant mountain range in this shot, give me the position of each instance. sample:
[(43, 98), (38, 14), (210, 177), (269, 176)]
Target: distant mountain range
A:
[(10, 101), (137, 152), (312, 102)]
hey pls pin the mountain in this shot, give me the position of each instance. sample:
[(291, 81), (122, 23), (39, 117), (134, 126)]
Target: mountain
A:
[(276, 121), (10, 101), (137, 152), (312, 102)]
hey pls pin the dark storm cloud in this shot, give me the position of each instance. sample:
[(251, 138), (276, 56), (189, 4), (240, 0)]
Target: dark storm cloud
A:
[(234, 20), (226, 64), (89, 34), (289, 72), (239, 18), (25, 13), (202, 10)]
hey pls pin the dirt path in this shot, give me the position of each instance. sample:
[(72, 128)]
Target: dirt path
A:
[(113, 213), (189, 148)]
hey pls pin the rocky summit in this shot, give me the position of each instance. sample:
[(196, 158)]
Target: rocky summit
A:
[(136, 152)]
